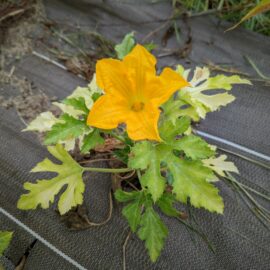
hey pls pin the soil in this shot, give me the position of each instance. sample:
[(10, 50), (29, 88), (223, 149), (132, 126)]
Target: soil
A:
[(16, 41)]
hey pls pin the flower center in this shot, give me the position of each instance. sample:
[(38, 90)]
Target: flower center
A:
[(137, 106)]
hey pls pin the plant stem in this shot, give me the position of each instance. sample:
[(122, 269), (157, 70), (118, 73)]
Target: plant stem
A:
[(107, 170), (118, 137)]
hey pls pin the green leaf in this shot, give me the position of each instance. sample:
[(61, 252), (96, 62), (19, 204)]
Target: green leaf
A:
[(125, 46), (123, 196), (77, 103), (44, 191), (165, 203), (141, 155), (152, 178), (43, 122), (5, 238), (150, 46), (190, 178), (194, 147), (91, 140), (71, 128), (190, 181), (87, 93), (175, 108), (169, 130), (151, 228), (133, 211), (153, 232), (144, 155), (122, 154)]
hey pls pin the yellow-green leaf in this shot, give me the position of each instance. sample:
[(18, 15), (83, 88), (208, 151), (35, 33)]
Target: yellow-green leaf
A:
[(220, 165), (69, 177), (190, 181), (68, 109), (200, 102), (43, 122), (5, 238)]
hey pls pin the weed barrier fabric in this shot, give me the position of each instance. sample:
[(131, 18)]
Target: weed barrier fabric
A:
[(241, 241)]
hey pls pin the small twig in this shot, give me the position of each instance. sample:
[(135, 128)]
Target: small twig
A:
[(13, 13), (124, 250), (107, 219), (168, 21), (203, 13), (127, 176), (256, 68), (200, 233), (133, 186), (259, 211), (216, 67), (107, 170), (21, 118), (95, 160), (11, 71), (69, 41), (46, 58)]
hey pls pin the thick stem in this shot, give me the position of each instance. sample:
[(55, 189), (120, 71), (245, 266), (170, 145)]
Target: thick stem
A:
[(107, 170)]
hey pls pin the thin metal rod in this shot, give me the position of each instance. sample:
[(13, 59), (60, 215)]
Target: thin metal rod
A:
[(235, 145)]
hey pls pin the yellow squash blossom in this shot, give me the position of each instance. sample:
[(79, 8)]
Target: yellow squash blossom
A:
[(133, 94)]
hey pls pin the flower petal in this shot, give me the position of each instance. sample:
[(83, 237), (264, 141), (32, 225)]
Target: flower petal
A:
[(112, 77), (161, 88), (144, 124), (140, 65), (108, 112)]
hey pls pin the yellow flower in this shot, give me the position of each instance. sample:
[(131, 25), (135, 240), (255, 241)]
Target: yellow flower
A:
[(133, 94)]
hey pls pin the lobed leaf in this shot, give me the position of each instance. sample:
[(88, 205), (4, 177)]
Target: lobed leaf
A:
[(91, 140), (152, 178), (220, 166), (189, 177), (70, 129), (43, 122), (194, 147), (199, 102), (190, 181), (169, 129), (78, 104), (165, 203), (133, 211), (69, 175), (153, 232)]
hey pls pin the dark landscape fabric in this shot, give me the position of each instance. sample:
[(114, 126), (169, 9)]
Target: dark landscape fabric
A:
[(241, 241)]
